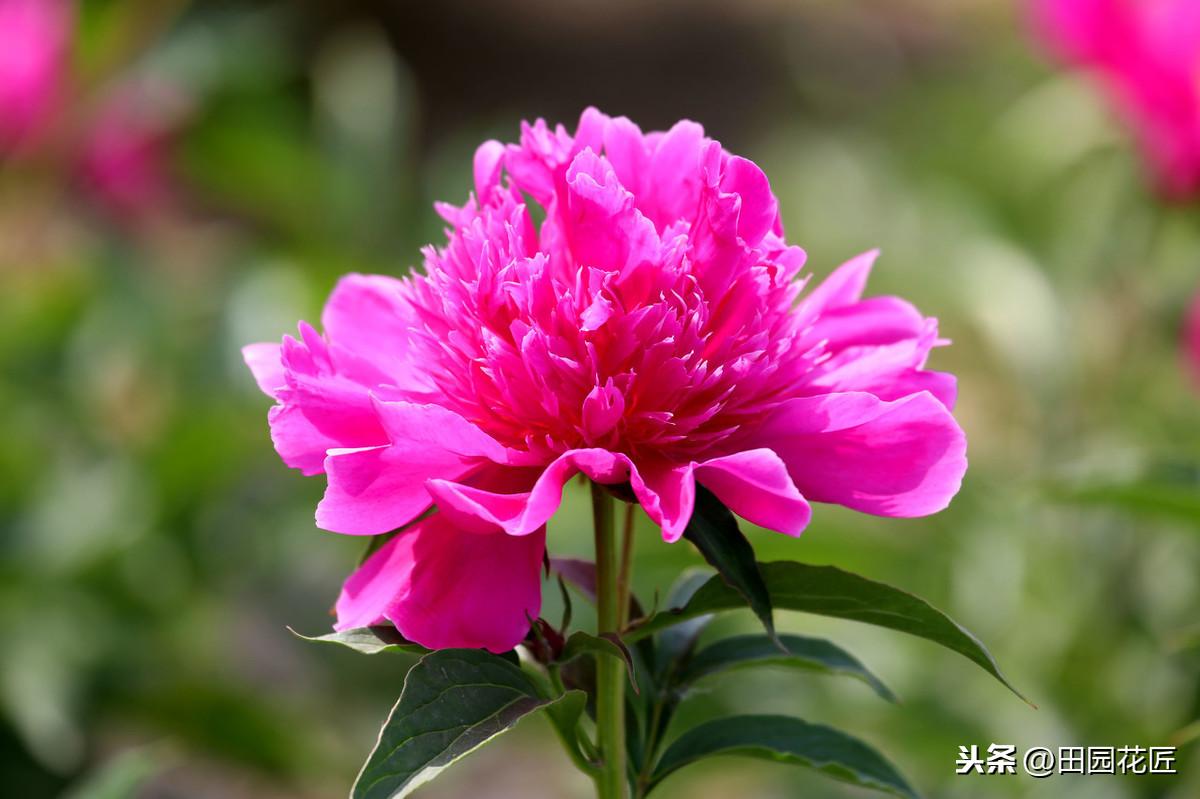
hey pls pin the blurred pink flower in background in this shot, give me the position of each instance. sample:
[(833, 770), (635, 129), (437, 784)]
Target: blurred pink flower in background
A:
[(1147, 54), (1191, 338), (34, 39), (124, 150), (651, 333)]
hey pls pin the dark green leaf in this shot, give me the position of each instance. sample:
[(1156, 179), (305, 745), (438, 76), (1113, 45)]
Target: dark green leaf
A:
[(786, 740), (453, 701), (812, 654), (714, 531), (829, 591), (123, 775), (368, 640), (581, 643)]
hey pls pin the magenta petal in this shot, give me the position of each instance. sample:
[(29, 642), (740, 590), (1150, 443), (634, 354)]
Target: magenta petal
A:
[(900, 458), (758, 206), (843, 287), (369, 321), (872, 322), (417, 426), (668, 495), (266, 365), (300, 444), (443, 587), (378, 489), (890, 372), (524, 512), (755, 485), (489, 158)]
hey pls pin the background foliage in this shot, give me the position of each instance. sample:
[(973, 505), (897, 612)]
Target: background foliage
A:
[(153, 548)]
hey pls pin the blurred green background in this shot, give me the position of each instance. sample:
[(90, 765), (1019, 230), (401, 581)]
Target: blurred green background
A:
[(153, 549)]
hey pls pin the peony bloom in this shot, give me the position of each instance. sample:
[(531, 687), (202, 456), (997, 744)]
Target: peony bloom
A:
[(1147, 54), (34, 36), (650, 333), (1191, 338), (123, 155)]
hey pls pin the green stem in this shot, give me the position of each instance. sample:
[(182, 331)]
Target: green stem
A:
[(624, 587), (610, 672)]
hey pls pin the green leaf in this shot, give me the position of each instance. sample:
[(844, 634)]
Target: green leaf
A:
[(714, 531), (829, 591), (803, 652), (608, 644), (123, 776), (786, 740), (368, 640), (453, 702)]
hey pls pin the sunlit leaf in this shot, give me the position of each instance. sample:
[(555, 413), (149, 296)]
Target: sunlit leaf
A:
[(829, 591), (802, 652), (453, 702), (368, 640), (785, 740)]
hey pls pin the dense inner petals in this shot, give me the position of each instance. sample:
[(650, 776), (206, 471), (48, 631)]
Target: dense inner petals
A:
[(651, 312)]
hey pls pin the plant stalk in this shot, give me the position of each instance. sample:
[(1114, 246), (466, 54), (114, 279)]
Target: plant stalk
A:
[(625, 578), (610, 671)]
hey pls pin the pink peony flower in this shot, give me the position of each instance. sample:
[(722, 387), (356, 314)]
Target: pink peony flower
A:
[(1147, 54), (1191, 338), (651, 332), (34, 36), (123, 154)]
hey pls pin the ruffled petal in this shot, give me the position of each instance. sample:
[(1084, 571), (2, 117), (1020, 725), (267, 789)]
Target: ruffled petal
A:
[(320, 408), (444, 587), (900, 458), (601, 224), (368, 320), (377, 489), (890, 372)]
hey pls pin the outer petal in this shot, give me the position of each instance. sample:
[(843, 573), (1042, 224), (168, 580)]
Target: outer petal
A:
[(756, 486), (374, 490), (525, 512), (367, 320), (266, 365), (443, 587), (320, 408), (874, 321), (843, 287), (300, 443), (900, 458), (890, 372), (668, 495)]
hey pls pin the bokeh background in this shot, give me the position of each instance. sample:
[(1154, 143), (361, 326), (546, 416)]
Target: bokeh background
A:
[(153, 549)]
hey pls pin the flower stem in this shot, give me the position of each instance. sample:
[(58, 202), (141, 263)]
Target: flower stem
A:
[(610, 671), (624, 579)]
